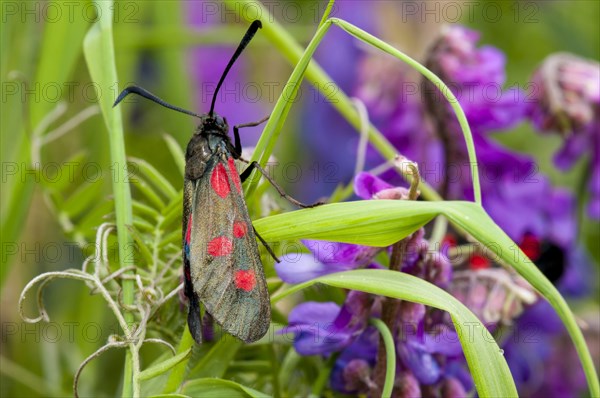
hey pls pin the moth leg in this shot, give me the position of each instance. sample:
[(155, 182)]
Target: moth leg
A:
[(266, 245), (236, 133), (255, 165)]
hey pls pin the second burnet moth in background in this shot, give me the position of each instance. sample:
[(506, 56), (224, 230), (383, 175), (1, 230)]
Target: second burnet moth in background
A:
[(222, 266)]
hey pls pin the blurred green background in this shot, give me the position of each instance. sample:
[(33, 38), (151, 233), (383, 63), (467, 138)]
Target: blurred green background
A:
[(45, 216)]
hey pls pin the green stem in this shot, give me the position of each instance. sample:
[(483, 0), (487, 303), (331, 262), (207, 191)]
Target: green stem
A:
[(319, 384), (274, 371), (326, 13), (432, 77), (390, 350)]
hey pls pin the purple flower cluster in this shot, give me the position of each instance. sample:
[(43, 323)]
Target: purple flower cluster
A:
[(429, 358), (539, 217)]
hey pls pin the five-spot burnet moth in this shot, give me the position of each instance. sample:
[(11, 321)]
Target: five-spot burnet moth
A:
[(222, 266)]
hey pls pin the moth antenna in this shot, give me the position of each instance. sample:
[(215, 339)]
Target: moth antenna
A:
[(148, 95), (245, 40)]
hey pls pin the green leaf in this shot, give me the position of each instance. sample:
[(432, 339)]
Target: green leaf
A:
[(215, 363), (487, 364), (219, 388), (153, 176), (82, 199), (164, 366), (172, 211), (144, 250), (146, 190), (143, 209), (370, 222), (390, 351)]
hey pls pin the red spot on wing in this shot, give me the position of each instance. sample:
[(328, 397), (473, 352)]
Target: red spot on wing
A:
[(245, 280), (234, 174), (220, 246), (478, 262), (189, 230), (219, 181), (239, 229)]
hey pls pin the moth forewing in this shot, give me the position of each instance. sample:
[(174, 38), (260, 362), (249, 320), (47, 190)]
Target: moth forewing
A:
[(225, 267)]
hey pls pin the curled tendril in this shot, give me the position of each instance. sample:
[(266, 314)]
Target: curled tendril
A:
[(44, 279), (126, 307), (148, 293), (96, 354), (102, 242), (171, 294), (163, 342), (117, 274)]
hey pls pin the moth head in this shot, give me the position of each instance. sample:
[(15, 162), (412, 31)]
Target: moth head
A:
[(213, 123)]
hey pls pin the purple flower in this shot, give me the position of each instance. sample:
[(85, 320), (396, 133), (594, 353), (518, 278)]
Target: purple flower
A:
[(351, 372), (323, 328), (325, 258), (418, 259), (417, 349), (367, 185), (567, 101), (406, 385)]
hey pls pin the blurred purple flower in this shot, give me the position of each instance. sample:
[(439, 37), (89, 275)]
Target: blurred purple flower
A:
[(538, 358), (477, 76), (541, 357), (566, 100), (550, 211)]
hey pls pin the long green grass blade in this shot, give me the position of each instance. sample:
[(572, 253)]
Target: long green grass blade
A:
[(100, 57)]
